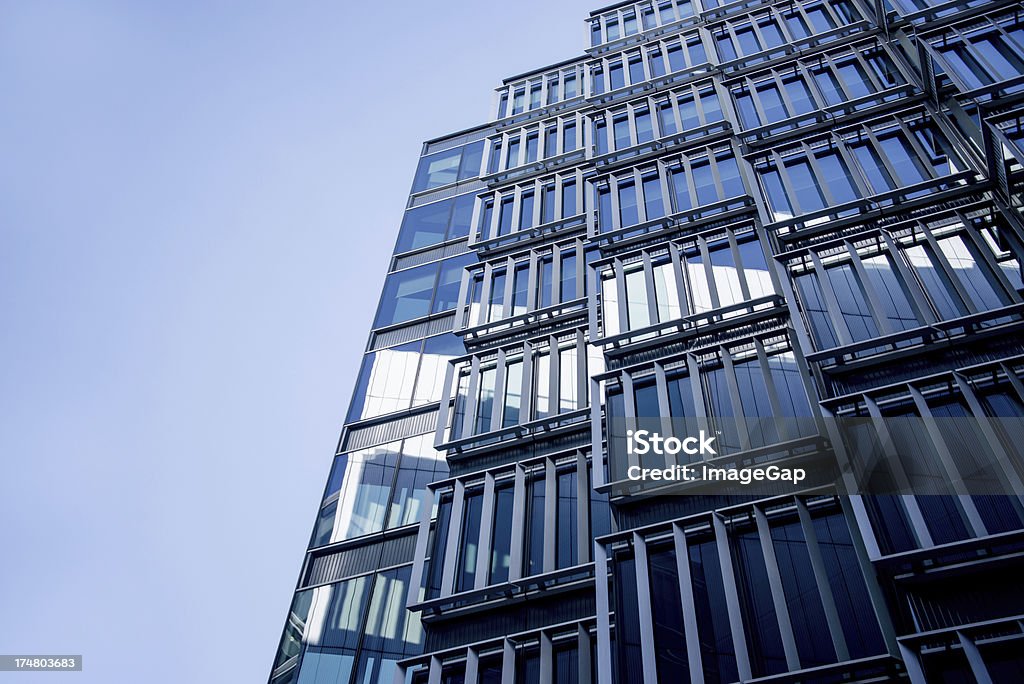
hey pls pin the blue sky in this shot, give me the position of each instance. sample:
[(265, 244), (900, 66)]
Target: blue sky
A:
[(197, 201)]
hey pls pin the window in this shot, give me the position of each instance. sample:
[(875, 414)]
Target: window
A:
[(407, 295), (533, 558), (501, 534), (567, 536), (443, 168), (469, 544), (499, 400), (435, 222)]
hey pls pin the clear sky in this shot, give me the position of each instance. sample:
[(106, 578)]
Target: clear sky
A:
[(197, 202)]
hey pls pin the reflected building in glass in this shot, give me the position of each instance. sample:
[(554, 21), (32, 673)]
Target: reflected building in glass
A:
[(808, 209)]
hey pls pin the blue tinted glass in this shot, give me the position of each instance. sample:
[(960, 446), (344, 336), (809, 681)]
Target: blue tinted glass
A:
[(688, 113), (873, 168), (385, 381), (970, 71), (771, 102), (570, 86), (567, 533), (756, 603), (569, 199), (636, 70), (696, 49), (681, 189), (895, 306), (513, 154), (620, 127), (535, 96), (729, 174), (472, 155), (468, 545), (852, 303), (799, 95), (627, 204), (797, 26), (805, 186), (448, 283), (836, 177), (644, 127), (748, 42), (857, 82), (653, 201), (806, 614), (437, 169), (816, 312), (860, 626), (820, 19), (829, 86), (616, 76), (601, 137), (604, 209), (505, 216), (424, 226), (712, 110), (550, 142), (569, 137), (629, 24), (462, 216), (902, 158), (1005, 62), (534, 557), (526, 211), (501, 548), (704, 182), (667, 119), (748, 113), (531, 147), (771, 33), (657, 63), (406, 295), (778, 200), (676, 59), (718, 655), (612, 29), (547, 209), (726, 50)]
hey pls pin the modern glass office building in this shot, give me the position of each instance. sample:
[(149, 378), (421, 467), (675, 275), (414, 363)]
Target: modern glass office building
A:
[(807, 209)]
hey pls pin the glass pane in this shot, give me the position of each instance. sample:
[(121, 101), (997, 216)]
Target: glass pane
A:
[(725, 275), (437, 169), (341, 628), (501, 548), (666, 293), (637, 300), (972, 275), (568, 379), (628, 213), (653, 201), (567, 537), (852, 302), (420, 465), (406, 295), (513, 393), (805, 186), (449, 281), (836, 177), (469, 544), (424, 226), (895, 305)]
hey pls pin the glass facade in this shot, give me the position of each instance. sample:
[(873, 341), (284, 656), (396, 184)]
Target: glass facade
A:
[(757, 218)]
